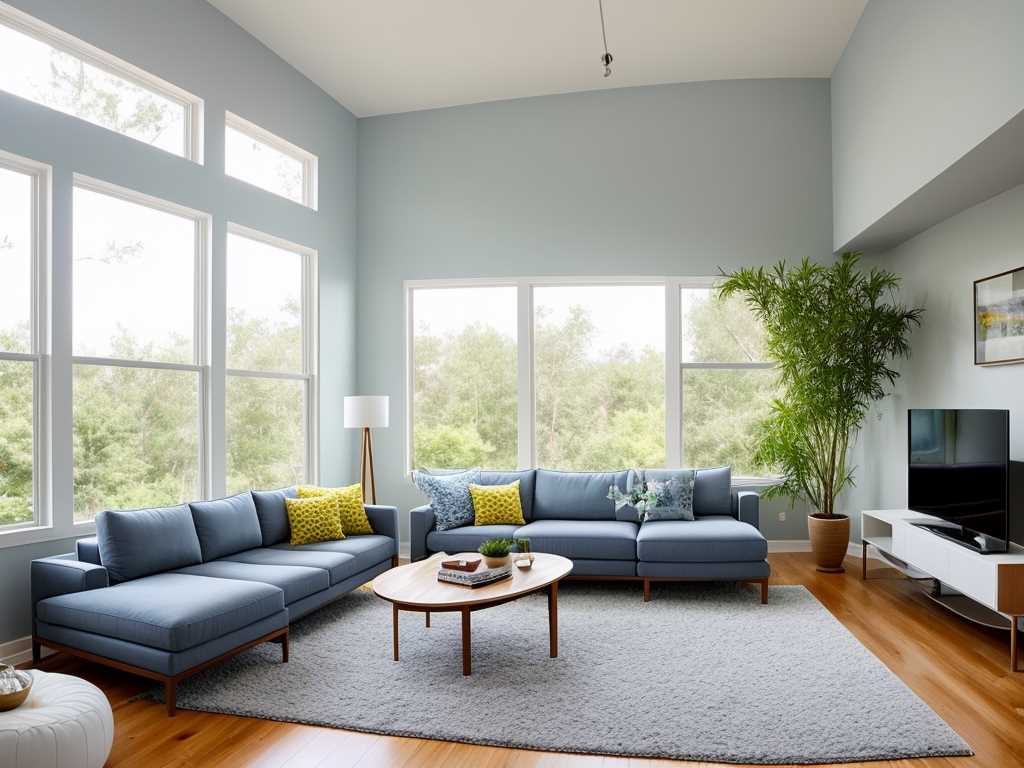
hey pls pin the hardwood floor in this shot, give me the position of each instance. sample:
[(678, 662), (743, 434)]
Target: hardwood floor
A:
[(961, 670)]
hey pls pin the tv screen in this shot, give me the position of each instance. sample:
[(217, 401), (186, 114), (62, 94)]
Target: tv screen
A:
[(959, 468)]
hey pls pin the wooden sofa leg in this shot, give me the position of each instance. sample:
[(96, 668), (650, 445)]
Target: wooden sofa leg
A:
[(764, 591), (171, 696), (647, 590), (37, 652), (284, 647), (394, 561)]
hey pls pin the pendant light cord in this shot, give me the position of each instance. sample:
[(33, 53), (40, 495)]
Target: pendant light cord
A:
[(607, 58)]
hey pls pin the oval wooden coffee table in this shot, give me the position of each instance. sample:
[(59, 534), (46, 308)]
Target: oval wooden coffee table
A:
[(414, 587)]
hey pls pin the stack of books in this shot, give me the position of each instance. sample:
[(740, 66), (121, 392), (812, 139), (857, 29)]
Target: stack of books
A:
[(474, 578)]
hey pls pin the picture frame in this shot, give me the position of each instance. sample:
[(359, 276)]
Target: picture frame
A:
[(999, 318)]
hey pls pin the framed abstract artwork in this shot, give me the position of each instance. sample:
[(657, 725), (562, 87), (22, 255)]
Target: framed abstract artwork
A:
[(999, 318)]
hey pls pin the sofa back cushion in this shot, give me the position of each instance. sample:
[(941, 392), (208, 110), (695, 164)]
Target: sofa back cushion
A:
[(138, 542), (273, 515), (575, 495), (712, 488), (226, 526), (526, 478)]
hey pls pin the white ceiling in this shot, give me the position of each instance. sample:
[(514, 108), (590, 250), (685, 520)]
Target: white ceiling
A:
[(383, 56)]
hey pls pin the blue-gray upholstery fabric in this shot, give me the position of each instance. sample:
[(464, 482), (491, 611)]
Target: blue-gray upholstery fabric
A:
[(421, 523), (705, 571), (88, 550), (156, 659), (309, 604), (575, 495), (296, 581), (705, 540), (138, 542), (225, 526), (467, 538), (748, 506), (368, 549), (712, 492), (339, 565), (170, 611), (584, 539), (63, 574), (527, 479), (273, 515), (383, 520), (583, 567)]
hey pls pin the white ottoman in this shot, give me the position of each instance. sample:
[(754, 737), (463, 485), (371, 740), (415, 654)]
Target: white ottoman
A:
[(66, 722)]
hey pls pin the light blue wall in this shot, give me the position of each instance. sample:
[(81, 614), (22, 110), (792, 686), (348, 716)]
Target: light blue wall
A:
[(190, 44), (920, 84), (665, 180)]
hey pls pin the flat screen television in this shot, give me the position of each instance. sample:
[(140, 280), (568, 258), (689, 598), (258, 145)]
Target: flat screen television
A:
[(959, 471)]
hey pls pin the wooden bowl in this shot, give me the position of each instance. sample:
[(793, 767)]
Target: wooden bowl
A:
[(9, 701)]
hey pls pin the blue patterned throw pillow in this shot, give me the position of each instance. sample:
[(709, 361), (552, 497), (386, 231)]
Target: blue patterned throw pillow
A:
[(449, 496), (675, 497)]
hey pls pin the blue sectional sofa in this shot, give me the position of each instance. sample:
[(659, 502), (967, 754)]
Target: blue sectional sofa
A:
[(168, 592), (569, 514)]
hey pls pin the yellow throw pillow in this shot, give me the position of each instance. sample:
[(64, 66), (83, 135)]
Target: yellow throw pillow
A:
[(353, 515), (314, 519), (497, 504)]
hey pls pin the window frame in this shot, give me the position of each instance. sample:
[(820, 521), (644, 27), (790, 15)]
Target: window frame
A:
[(526, 384), (310, 346), (39, 354), (46, 33), (310, 162), (201, 302)]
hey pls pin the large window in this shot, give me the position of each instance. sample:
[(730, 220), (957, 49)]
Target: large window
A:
[(599, 376), (258, 157), (23, 198), (584, 375), (139, 320), (271, 362), (52, 68), (464, 373), (728, 383)]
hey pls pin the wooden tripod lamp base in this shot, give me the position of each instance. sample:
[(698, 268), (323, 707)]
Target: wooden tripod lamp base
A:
[(367, 412)]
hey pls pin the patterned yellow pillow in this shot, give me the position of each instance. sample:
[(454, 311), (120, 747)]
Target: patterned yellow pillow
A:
[(353, 515), (497, 504), (315, 519)]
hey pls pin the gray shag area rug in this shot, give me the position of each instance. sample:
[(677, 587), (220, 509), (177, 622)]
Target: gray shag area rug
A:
[(703, 672)]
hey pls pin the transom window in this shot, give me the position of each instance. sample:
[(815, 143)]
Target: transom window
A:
[(257, 156)]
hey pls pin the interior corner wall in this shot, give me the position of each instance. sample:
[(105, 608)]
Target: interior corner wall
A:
[(663, 180), (939, 268), (919, 85), (194, 46)]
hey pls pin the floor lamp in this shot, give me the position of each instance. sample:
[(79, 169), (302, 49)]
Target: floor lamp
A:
[(367, 412)]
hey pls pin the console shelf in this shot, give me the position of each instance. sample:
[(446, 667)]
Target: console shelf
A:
[(994, 582)]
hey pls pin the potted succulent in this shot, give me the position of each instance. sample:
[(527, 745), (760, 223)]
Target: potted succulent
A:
[(495, 552), (833, 332)]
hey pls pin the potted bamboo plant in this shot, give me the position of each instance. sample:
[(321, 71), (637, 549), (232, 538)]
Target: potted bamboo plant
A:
[(833, 331)]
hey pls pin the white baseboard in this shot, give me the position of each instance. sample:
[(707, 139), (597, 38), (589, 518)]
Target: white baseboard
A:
[(19, 651)]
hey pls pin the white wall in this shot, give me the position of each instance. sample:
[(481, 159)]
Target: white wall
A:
[(195, 47), (920, 84), (666, 180)]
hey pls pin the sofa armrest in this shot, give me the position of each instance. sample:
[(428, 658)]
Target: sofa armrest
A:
[(64, 574), (384, 521), (421, 522), (748, 505)]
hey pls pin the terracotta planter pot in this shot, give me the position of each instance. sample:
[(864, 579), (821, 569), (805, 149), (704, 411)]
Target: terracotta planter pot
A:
[(830, 537), (496, 562)]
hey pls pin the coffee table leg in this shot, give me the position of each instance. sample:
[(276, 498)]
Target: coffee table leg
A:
[(553, 618), (428, 617), (466, 666), (394, 625)]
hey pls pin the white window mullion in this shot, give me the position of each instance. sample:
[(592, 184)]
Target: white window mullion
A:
[(525, 388), (62, 468), (216, 382), (673, 376)]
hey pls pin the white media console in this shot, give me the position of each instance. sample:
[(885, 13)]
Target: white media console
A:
[(995, 581)]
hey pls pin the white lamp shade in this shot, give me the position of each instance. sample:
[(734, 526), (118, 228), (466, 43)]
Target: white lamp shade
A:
[(367, 411)]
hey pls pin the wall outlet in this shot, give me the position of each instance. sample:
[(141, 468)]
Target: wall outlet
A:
[(782, 516)]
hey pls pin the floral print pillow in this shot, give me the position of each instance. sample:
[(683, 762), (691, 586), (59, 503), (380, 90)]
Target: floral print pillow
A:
[(449, 496), (675, 497)]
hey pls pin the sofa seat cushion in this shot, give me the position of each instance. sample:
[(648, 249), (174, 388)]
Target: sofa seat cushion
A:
[(338, 564), (468, 537), (368, 550), (296, 581), (718, 539), (583, 539), (169, 611)]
